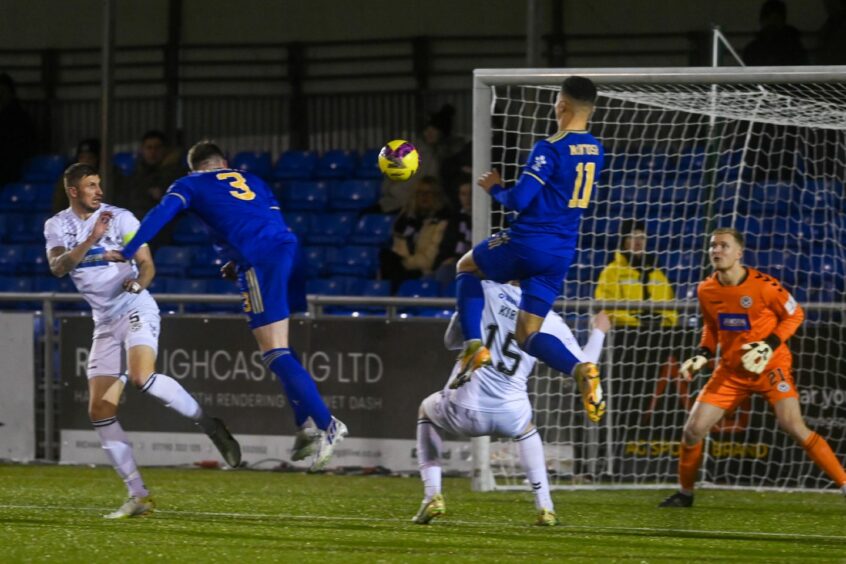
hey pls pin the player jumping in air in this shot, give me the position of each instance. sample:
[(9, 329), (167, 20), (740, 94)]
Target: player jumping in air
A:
[(244, 216), (551, 196), (750, 316), (126, 326), (495, 402)]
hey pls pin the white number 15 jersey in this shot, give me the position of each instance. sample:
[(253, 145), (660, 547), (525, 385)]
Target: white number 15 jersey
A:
[(493, 387)]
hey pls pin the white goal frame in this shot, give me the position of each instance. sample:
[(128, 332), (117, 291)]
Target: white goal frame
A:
[(483, 98)]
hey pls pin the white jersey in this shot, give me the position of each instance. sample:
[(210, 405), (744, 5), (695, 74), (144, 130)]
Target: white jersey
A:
[(494, 387), (100, 282)]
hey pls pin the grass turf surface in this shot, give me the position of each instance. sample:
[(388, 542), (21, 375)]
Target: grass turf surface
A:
[(54, 513)]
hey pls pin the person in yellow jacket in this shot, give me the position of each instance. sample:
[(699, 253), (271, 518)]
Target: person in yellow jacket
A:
[(633, 275)]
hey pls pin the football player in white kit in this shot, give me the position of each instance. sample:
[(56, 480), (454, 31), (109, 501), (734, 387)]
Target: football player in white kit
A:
[(126, 326), (494, 400)]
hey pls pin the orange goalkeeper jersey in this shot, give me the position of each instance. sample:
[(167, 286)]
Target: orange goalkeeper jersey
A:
[(751, 311)]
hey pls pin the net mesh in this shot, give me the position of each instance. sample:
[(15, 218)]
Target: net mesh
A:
[(681, 160)]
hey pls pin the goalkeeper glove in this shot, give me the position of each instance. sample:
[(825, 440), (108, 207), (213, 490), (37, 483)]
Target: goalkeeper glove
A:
[(757, 356), (694, 364)]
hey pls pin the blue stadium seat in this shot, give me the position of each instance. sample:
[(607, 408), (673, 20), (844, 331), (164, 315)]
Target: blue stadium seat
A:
[(368, 166), (295, 165), (354, 194), (16, 284), (18, 196), (305, 196), (330, 228), (450, 290), (336, 163), (205, 262), (770, 198), (419, 288), (373, 229), (172, 260), (325, 287), (44, 168), (25, 228), (220, 286), (124, 162), (299, 222), (190, 230), (256, 162), (11, 258), (315, 260), (4, 219), (34, 259), (354, 261)]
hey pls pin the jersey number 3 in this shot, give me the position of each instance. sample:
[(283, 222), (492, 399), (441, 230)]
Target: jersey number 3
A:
[(583, 186), (242, 191)]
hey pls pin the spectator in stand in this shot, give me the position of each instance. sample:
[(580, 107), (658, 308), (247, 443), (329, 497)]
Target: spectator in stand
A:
[(633, 275), (418, 232), (156, 169), (437, 144), (454, 169), (777, 43), (458, 237), (87, 152), (17, 132)]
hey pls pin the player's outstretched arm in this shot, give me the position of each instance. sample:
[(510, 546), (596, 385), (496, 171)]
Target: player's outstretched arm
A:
[(153, 222), (516, 198), (63, 261), (146, 271)]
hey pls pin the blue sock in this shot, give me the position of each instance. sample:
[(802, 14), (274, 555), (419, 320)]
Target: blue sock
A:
[(301, 390), (552, 351), (469, 301)]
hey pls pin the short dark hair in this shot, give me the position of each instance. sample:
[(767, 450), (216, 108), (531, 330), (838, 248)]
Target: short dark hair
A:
[(155, 134), (77, 171), (738, 236), (580, 89), (203, 151), (773, 8)]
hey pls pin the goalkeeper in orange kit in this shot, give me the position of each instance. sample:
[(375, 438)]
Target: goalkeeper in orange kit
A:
[(751, 316)]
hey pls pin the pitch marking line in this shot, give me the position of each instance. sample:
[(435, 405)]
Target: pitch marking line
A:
[(592, 529)]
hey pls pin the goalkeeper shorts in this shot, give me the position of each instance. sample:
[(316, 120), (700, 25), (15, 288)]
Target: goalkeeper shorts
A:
[(725, 389)]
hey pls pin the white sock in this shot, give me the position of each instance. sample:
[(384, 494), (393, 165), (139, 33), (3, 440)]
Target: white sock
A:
[(117, 447), (429, 443), (593, 348), (534, 464), (173, 395)]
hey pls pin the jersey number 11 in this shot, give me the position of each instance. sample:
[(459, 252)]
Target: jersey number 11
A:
[(583, 186)]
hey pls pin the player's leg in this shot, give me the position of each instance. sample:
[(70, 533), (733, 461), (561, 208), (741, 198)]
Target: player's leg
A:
[(533, 461), (469, 302), (702, 417), (429, 445), (790, 419)]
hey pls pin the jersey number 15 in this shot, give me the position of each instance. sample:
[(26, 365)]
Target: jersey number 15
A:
[(515, 356)]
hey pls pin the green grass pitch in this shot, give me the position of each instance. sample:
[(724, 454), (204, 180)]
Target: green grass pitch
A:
[(50, 513)]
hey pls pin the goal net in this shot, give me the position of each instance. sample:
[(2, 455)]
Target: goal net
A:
[(687, 151)]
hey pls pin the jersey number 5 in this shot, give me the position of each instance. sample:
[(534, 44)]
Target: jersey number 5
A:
[(583, 186), (239, 183)]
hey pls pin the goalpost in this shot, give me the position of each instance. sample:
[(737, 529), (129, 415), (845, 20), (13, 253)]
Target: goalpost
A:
[(687, 150)]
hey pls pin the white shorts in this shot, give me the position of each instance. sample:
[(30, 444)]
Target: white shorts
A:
[(464, 422), (111, 341)]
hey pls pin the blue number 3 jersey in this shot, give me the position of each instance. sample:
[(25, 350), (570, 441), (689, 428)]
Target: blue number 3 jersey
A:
[(553, 191), (238, 207)]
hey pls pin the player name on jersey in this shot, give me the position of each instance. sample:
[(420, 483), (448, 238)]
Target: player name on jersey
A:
[(584, 149)]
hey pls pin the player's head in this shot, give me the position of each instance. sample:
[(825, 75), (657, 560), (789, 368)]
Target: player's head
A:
[(773, 14), (577, 96), (88, 152), (82, 184), (427, 198), (725, 248), (465, 193), (205, 155), (153, 147)]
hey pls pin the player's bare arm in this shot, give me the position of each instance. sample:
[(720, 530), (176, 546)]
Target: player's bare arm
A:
[(490, 179), (146, 271), (63, 261)]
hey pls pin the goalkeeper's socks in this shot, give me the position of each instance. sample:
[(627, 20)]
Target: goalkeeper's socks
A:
[(689, 460), (171, 394), (117, 447), (534, 464), (299, 387), (820, 452), (552, 351), (470, 300), (429, 443)]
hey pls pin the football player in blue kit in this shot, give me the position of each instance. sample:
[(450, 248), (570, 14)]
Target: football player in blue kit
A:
[(245, 217), (551, 195)]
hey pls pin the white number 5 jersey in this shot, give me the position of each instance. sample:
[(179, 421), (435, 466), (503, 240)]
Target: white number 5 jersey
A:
[(100, 282), (493, 388)]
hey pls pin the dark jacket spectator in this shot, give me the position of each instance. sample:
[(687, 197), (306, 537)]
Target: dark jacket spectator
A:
[(776, 43), (17, 132), (87, 152), (833, 34), (458, 236)]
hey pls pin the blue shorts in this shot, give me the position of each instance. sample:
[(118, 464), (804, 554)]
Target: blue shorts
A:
[(264, 286), (541, 274)]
